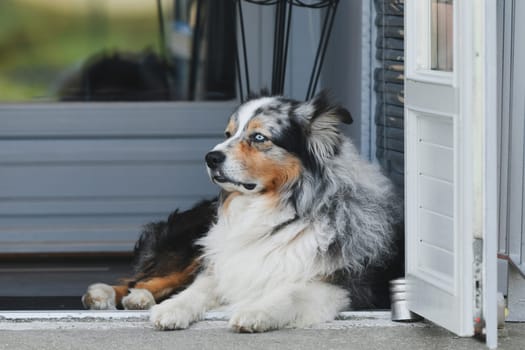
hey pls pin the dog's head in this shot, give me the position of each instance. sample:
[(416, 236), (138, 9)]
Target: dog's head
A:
[(271, 141)]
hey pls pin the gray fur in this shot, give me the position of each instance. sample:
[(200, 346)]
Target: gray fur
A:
[(349, 198)]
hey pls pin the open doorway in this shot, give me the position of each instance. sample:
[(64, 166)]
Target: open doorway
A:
[(83, 177)]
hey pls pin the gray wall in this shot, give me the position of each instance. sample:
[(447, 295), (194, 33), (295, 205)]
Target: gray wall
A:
[(512, 153), (86, 177), (343, 68)]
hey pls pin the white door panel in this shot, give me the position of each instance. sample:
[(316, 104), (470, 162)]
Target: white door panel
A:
[(436, 160), (436, 229), (439, 249), (447, 143)]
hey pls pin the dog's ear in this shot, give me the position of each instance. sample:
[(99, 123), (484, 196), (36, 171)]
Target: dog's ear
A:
[(322, 108), (322, 123)]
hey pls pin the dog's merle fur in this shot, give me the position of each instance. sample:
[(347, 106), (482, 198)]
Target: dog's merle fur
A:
[(356, 206)]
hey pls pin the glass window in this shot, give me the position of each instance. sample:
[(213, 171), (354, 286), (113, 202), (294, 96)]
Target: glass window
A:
[(116, 50), (442, 35)]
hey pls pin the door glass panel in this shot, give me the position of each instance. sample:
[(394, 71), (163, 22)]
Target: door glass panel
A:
[(442, 35), (116, 50)]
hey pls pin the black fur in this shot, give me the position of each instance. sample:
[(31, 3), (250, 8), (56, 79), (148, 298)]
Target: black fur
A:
[(169, 246), (322, 105), (293, 138)]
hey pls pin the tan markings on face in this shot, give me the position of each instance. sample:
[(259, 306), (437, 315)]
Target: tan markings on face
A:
[(253, 125), (270, 169), (231, 127)]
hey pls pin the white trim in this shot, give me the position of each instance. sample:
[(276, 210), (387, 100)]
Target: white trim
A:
[(490, 181), (434, 77), (418, 65), (466, 138), (429, 112)]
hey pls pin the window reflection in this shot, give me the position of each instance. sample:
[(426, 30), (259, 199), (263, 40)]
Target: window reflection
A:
[(116, 50), (442, 35)]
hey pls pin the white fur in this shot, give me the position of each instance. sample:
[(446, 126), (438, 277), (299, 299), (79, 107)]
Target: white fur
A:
[(267, 282), (138, 299), (187, 306), (244, 114), (99, 296), (247, 110)]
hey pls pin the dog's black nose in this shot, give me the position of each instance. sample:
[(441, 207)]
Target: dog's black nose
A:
[(214, 159)]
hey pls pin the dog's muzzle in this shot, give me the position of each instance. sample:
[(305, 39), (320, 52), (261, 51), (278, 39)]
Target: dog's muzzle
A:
[(214, 159)]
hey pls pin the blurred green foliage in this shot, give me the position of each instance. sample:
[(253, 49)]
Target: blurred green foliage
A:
[(41, 44)]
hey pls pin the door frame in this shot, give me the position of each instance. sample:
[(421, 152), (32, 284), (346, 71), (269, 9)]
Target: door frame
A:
[(490, 171)]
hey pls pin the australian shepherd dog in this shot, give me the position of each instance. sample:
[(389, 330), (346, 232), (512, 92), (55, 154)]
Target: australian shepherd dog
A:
[(303, 228)]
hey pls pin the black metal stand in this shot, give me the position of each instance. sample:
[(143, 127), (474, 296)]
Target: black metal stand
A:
[(195, 52), (283, 19)]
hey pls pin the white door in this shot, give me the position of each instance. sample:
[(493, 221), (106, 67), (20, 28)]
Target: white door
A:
[(445, 169)]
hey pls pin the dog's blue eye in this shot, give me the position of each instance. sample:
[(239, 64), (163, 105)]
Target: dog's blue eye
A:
[(259, 137)]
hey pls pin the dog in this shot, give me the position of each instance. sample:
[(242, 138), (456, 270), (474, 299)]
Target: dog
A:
[(298, 206), (302, 229)]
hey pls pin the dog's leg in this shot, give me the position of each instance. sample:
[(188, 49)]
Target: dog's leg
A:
[(145, 294), (142, 296), (186, 307), (296, 305), (100, 296)]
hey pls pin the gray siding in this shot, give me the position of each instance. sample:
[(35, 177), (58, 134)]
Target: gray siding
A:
[(389, 88), (85, 178), (512, 134)]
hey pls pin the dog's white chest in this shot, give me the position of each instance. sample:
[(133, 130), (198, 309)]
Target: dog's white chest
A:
[(247, 256)]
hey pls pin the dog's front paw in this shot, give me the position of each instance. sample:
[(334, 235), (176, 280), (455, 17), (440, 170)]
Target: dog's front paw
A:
[(99, 296), (171, 314), (138, 299), (252, 321)]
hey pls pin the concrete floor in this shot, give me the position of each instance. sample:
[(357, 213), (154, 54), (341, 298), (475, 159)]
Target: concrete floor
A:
[(131, 330)]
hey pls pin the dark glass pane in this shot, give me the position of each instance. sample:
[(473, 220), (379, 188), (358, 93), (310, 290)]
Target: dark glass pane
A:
[(116, 50), (442, 35)]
